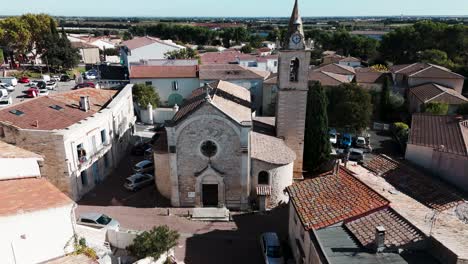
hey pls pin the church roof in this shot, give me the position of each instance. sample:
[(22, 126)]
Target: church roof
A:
[(270, 149), (233, 100)]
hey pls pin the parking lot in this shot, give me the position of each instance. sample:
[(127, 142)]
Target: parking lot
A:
[(19, 96)]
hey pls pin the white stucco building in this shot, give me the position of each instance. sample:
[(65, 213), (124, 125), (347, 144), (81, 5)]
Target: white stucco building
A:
[(81, 134), (36, 219)]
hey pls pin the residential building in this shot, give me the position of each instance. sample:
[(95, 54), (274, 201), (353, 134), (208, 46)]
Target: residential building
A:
[(236, 74), (420, 95), (214, 155), (410, 75), (174, 84), (336, 213), (350, 61), (89, 53), (267, 62), (81, 134), (32, 210), (166, 62), (440, 144), (112, 75), (335, 68), (329, 78), (145, 48), (331, 57), (370, 79), (270, 91)]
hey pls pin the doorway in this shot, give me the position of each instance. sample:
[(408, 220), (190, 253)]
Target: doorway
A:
[(210, 195)]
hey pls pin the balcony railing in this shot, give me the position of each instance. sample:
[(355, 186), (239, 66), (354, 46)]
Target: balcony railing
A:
[(88, 160)]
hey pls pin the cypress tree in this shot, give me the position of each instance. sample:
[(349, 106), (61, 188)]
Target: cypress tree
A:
[(385, 100), (317, 146)]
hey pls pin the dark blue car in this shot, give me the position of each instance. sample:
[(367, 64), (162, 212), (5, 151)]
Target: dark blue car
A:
[(346, 140)]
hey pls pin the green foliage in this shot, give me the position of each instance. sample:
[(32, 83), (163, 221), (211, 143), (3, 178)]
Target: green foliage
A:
[(400, 126), (317, 141), (127, 36), (401, 131), (385, 107), (237, 35), (463, 109), (184, 33), (247, 49), (82, 249), (145, 94), (436, 108), (435, 56), (111, 52), (58, 51), (154, 243), (349, 106), (186, 53), (2, 59)]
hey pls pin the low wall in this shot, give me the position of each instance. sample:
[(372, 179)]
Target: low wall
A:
[(93, 236), (161, 259), (160, 115), (121, 239)]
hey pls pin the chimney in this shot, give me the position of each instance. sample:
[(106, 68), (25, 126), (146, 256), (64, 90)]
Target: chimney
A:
[(379, 242), (84, 103)]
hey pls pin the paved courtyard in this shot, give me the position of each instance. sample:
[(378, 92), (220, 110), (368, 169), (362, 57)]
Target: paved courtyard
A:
[(201, 242)]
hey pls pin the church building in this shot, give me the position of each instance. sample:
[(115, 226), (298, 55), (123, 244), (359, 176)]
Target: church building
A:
[(217, 153)]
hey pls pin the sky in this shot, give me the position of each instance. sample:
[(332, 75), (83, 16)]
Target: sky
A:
[(234, 8)]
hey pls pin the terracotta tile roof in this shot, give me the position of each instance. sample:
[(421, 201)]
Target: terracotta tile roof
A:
[(39, 115), (231, 99), (263, 190), (350, 59), (139, 42), (8, 151), (272, 79), (327, 200), (270, 149), (229, 72), (337, 69), (369, 77), (424, 188), (434, 92), (29, 195), (425, 70), (444, 133), (156, 72), (224, 57), (398, 232), (328, 78)]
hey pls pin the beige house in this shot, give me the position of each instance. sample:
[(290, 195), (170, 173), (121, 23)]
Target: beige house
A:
[(420, 95), (410, 75), (440, 144), (81, 134), (89, 53)]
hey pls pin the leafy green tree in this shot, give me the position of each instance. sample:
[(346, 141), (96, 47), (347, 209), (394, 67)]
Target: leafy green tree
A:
[(436, 108), (463, 109), (127, 35), (154, 243), (350, 106), (186, 53), (58, 51), (435, 56), (145, 94), (317, 141), (14, 36), (247, 49), (38, 26)]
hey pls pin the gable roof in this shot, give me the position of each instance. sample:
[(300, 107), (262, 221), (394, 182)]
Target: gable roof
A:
[(444, 133), (337, 69), (224, 57), (28, 195), (425, 70), (350, 59), (38, 114), (230, 72), (139, 42), (330, 199), (270, 149), (231, 99), (369, 75), (433, 92), (328, 78), (398, 231), (161, 72)]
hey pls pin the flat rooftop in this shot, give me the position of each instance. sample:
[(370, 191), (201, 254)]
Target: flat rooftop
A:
[(437, 219)]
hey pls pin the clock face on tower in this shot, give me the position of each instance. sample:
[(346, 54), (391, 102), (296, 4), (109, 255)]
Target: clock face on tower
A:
[(296, 38)]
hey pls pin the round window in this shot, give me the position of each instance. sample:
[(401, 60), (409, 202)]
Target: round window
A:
[(209, 148)]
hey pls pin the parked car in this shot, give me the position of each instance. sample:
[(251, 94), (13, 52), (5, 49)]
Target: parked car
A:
[(33, 83), (43, 92), (24, 79), (32, 92), (139, 148), (41, 85), (55, 78), (5, 101), (356, 155), (8, 87), (271, 248), (148, 155), (51, 85), (65, 78), (10, 80), (346, 141), (361, 142), (333, 136), (144, 167), (85, 85), (46, 78), (98, 220), (91, 75), (138, 181)]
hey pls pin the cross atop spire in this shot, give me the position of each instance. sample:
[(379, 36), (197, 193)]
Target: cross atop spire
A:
[(295, 24)]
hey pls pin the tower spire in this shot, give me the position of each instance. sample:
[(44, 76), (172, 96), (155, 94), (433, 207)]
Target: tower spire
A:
[(295, 24)]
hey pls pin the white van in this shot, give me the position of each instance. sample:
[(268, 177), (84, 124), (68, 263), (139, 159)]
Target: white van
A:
[(46, 78), (9, 80)]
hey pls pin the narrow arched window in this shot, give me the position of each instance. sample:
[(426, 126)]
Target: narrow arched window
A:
[(294, 70), (263, 177)]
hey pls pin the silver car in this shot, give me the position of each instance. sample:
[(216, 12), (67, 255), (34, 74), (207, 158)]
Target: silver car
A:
[(98, 220), (138, 181), (271, 248), (144, 167)]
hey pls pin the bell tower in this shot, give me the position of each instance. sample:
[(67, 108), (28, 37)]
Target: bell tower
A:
[(293, 83)]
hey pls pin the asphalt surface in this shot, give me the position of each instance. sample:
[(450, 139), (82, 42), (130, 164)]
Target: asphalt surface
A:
[(19, 96)]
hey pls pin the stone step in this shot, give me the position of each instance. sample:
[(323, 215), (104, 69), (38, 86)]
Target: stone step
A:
[(211, 214)]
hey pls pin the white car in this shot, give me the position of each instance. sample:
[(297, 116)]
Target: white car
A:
[(144, 167), (8, 87), (333, 136), (43, 92), (51, 85), (271, 248), (33, 83), (5, 101), (55, 78), (98, 220), (138, 181), (361, 142)]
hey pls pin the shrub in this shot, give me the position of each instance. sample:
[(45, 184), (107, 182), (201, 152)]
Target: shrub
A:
[(154, 243), (436, 108), (145, 94)]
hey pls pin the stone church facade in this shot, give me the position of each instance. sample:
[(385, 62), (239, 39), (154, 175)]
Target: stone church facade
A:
[(216, 153)]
